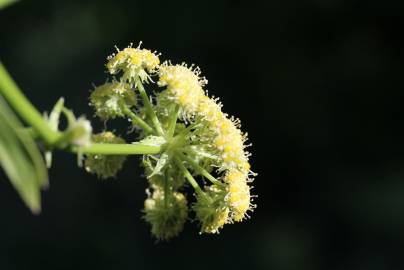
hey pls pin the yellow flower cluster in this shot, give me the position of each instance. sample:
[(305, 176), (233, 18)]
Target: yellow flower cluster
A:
[(238, 197), (229, 140), (228, 136), (133, 62), (184, 85), (196, 138)]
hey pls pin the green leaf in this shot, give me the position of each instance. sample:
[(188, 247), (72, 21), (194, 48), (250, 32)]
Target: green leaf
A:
[(163, 160), (5, 3), (21, 159)]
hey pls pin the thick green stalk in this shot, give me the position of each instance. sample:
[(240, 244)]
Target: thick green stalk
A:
[(117, 149), (24, 108)]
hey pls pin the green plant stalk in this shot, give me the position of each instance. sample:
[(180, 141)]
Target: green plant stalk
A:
[(189, 176), (10, 90), (200, 170), (137, 120), (117, 149), (173, 120), (149, 109)]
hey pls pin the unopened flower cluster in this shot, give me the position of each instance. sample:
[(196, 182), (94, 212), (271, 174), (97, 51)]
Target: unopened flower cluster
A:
[(203, 148)]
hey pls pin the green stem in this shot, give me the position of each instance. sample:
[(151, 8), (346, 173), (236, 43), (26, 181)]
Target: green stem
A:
[(189, 176), (137, 120), (200, 169), (173, 120), (118, 149), (149, 108), (10, 90)]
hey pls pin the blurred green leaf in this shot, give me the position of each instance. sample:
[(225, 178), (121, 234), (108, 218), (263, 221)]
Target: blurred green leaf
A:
[(5, 3), (21, 159)]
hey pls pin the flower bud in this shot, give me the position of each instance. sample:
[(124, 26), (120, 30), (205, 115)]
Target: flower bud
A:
[(105, 166), (110, 99), (166, 215), (80, 132)]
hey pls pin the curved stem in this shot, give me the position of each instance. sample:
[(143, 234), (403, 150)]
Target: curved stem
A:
[(10, 90)]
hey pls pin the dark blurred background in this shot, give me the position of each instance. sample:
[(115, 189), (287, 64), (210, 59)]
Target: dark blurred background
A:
[(316, 83)]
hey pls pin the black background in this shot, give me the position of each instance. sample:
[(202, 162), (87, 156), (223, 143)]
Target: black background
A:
[(316, 83)]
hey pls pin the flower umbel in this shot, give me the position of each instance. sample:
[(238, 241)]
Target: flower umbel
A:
[(202, 147), (135, 63)]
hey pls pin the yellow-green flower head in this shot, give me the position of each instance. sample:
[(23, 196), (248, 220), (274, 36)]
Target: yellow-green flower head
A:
[(110, 99), (228, 138), (183, 84), (211, 209), (105, 166), (166, 215), (199, 143), (134, 63), (210, 110), (238, 198)]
